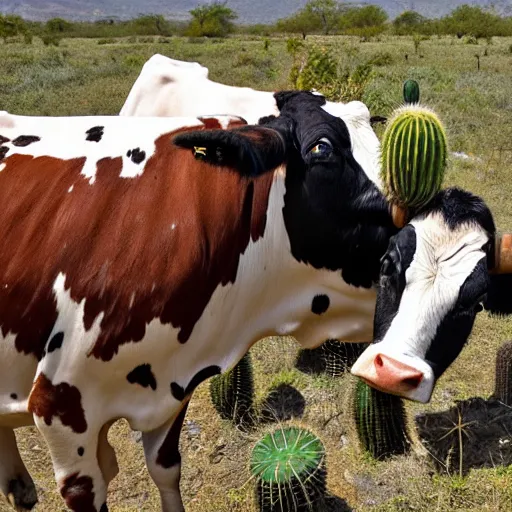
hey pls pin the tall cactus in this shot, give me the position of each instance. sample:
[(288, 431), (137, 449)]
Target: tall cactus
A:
[(411, 92), (232, 392), (414, 150), (380, 422), (503, 377), (333, 357), (340, 356), (289, 467)]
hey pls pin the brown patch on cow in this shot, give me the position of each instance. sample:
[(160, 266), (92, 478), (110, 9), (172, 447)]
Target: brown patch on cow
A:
[(153, 246), (3, 139), (168, 453), (212, 123), (63, 401), (25, 140), (78, 494)]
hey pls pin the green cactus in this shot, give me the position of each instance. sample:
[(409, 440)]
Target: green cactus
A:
[(289, 467), (503, 378), (414, 152), (333, 357), (411, 91), (232, 392), (340, 356), (380, 422)]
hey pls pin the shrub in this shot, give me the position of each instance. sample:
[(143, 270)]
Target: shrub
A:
[(51, 39), (108, 40)]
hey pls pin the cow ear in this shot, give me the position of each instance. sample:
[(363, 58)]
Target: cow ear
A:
[(251, 150)]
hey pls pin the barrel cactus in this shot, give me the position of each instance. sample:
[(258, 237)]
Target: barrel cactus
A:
[(414, 150), (503, 382), (232, 392), (380, 422), (411, 92), (289, 467)]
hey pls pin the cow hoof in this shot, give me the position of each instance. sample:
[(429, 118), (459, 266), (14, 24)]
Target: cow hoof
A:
[(22, 495)]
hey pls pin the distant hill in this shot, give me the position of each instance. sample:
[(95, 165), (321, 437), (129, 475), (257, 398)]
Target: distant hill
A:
[(250, 11)]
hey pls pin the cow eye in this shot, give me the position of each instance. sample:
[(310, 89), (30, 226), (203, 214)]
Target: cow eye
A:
[(322, 148)]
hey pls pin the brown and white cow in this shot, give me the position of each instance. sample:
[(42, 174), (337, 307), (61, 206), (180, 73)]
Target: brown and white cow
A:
[(140, 256)]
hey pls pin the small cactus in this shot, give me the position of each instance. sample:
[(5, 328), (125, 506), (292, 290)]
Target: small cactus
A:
[(411, 92), (503, 382), (289, 467), (380, 422), (414, 152), (232, 392)]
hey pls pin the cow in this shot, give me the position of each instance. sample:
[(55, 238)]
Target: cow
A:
[(126, 240), (446, 265), (167, 87)]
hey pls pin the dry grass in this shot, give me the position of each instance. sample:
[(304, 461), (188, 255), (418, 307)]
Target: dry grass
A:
[(85, 78)]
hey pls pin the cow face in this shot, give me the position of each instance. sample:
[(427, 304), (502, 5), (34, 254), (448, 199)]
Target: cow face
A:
[(335, 216), (433, 280)]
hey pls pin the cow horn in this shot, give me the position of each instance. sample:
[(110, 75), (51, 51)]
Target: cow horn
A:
[(503, 255), (399, 215)]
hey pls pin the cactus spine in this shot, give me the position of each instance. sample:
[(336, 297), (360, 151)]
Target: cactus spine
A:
[(333, 357), (380, 422), (340, 356), (289, 467), (411, 91), (232, 392), (414, 152), (503, 382)]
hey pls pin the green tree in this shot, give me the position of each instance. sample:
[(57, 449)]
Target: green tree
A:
[(58, 25), (408, 22), (326, 12), (362, 17), (212, 20), (11, 26), (472, 20), (300, 23)]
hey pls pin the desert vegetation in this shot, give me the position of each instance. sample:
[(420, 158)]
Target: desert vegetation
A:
[(453, 454)]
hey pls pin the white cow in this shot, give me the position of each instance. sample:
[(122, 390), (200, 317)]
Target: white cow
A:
[(168, 87)]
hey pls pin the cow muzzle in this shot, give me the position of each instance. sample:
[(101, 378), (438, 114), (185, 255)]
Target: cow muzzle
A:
[(404, 376)]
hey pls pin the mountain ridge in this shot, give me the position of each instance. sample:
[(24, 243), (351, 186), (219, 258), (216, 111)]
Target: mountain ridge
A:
[(249, 11)]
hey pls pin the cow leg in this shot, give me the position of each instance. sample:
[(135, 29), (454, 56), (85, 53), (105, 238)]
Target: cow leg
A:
[(76, 465), (15, 480), (161, 447), (106, 455)]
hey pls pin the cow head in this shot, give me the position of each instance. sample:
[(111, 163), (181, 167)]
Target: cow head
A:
[(336, 217), (434, 279)]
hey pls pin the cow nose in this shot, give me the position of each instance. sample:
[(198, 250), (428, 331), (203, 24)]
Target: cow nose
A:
[(392, 376)]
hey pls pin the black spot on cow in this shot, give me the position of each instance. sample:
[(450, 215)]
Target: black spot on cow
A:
[(14, 396), (55, 342), (3, 139), (179, 393), (104, 508), (81, 451), (95, 133), (25, 140), (320, 304), (142, 375), (3, 151), (136, 155)]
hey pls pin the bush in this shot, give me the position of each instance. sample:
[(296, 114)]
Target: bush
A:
[(107, 40), (470, 40), (381, 59), (28, 37), (51, 39)]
